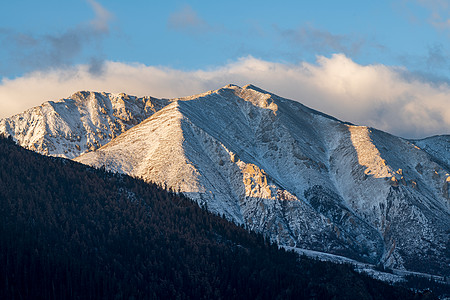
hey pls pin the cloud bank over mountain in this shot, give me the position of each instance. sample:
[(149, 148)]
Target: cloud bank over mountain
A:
[(389, 98)]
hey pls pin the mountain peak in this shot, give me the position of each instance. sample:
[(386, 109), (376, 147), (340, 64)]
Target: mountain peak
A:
[(86, 95), (255, 88), (83, 96), (83, 122), (245, 87)]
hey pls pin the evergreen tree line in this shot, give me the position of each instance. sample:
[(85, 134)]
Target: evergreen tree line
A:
[(69, 231)]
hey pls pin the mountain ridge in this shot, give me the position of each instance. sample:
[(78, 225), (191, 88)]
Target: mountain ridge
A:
[(270, 149), (83, 122), (301, 177)]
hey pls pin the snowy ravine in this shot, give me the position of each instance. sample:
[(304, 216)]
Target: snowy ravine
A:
[(303, 178)]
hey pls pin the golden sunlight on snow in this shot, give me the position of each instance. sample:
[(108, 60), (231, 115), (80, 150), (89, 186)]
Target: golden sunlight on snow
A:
[(368, 154)]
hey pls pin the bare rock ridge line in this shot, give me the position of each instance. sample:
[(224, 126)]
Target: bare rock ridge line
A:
[(303, 178)]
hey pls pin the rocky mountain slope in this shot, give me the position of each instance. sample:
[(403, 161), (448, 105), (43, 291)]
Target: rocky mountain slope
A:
[(303, 178), (76, 232), (81, 123), (438, 147)]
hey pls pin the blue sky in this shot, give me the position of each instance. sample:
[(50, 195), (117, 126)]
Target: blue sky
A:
[(50, 49)]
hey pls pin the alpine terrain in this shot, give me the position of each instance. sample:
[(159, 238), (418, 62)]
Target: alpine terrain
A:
[(303, 178), (83, 122)]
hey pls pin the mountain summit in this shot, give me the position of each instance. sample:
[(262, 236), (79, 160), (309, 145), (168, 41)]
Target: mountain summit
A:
[(303, 178)]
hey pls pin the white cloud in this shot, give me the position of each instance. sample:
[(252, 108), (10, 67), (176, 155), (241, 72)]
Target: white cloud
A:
[(317, 40), (102, 17), (374, 95), (186, 19)]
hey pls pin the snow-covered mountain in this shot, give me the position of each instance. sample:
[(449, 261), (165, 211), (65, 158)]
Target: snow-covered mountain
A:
[(81, 123), (438, 147), (305, 179)]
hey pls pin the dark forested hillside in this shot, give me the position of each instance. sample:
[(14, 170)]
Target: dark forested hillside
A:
[(68, 231)]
